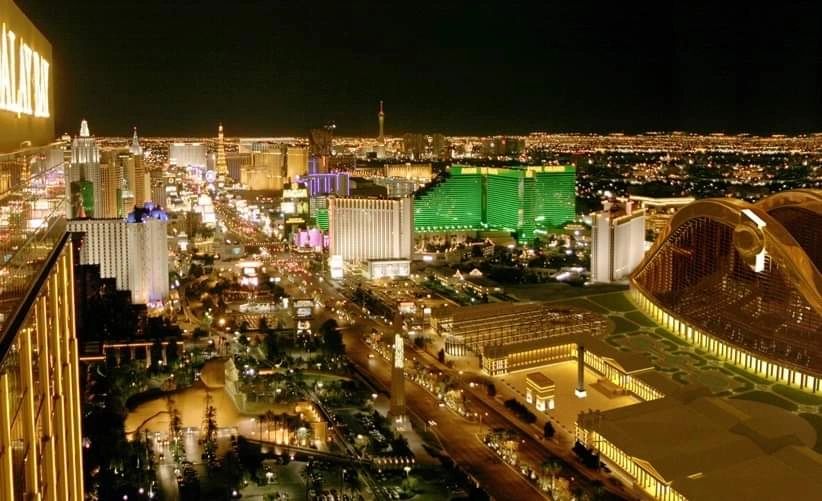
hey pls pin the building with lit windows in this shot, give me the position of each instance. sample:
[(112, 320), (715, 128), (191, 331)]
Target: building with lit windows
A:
[(296, 162), (104, 243), (477, 328), (742, 281), (331, 183), (690, 445), (617, 241), (363, 229), (187, 154), (147, 255), (132, 251), (618, 372), (40, 419), (526, 200), (83, 174), (110, 191), (454, 201), (420, 172)]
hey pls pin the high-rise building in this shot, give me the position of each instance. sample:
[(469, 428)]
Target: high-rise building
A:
[(237, 163), (110, 182), (296, 162), (264, 171), (527, 200), (84, 147), (456, 201), (187, 154), (333, 183), (83, 173), (40, 419), (221, 165), (617, 241), (135, 148), (142, 182), (132, 251), (105, 243), (158, 188), (320, 147), (742, 281), (420, 172), (148, 255), (362, 229)]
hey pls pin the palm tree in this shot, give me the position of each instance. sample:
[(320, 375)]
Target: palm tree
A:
[(260, 420), (270, 418), (551, 468)]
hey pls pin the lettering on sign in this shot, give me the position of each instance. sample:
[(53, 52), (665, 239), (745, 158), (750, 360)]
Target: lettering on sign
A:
[(24, 77)]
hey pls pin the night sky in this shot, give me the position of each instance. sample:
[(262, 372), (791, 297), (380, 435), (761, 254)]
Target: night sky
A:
[(271, 68)]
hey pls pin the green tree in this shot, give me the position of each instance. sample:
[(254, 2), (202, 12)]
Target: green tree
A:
[(332, 337)]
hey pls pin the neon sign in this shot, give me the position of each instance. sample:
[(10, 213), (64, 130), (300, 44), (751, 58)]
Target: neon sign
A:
[(24, 77)]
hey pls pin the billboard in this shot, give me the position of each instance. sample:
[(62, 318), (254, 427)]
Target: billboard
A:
[(335, 264), (288, 207), (303, 308), (388, 268), (303, 303), (295, 193), (26, 90)]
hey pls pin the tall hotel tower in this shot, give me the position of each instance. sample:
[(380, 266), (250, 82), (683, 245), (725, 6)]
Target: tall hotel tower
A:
[(40, 437), (84, 174), (363, 229)]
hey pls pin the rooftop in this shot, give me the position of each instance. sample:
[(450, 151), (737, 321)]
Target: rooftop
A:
[(714, 448), (539, 380)]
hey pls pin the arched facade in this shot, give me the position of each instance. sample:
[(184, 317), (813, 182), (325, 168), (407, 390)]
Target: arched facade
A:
[(743, 281)]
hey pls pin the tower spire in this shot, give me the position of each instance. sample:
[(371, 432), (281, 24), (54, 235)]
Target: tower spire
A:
[(135, 148), (84, 132), (381, 118), (221, 165)]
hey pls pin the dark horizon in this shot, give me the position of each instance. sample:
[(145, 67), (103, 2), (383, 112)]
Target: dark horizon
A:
[(262, 69)]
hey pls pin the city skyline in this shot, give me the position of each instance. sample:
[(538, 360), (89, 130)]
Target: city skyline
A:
[(457, 69), (327, 259)]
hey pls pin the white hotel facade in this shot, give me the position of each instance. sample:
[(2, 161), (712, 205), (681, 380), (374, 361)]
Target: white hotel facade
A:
[(135, 254), (364, 229)]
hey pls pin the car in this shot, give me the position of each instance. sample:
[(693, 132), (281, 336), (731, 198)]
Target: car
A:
[(431, 422)]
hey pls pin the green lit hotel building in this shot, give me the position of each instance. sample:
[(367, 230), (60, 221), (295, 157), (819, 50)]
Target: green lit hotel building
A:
[(526, 200)]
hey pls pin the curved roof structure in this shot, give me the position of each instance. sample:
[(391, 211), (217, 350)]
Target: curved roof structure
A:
[(748, 274)]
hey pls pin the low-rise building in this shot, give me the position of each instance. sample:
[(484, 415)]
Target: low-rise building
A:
[(474, 328), (690, 445), (540, 391)]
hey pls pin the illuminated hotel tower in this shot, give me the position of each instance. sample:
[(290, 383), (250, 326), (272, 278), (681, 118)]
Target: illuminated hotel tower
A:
[(83, 173), (397, 409), (221, 164), (381, 117)]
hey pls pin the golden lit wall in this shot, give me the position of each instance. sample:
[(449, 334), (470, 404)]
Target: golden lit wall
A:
[(40, 434)]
